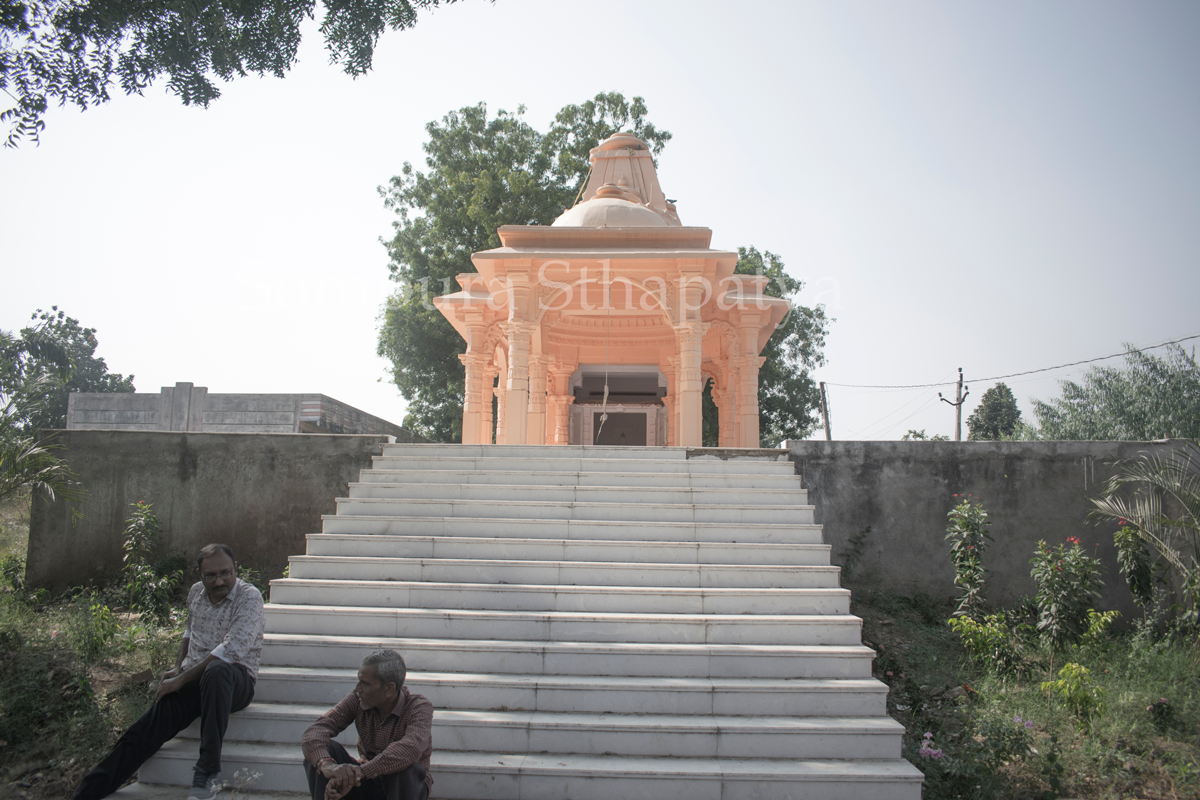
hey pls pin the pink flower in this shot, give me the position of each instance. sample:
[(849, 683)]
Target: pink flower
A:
[(1073, 539), (889, 673)]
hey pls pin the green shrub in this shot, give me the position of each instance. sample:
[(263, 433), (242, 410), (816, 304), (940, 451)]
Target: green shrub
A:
[(91, 625), (968, 536), (149, 590), (990, 642), (1068, 582), (1076, 691)]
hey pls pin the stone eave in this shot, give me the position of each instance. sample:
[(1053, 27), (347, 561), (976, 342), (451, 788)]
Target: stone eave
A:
[(615, 254), (546, 237)]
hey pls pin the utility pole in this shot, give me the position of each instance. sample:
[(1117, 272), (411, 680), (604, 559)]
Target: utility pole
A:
[(825, 413), (960, 396)]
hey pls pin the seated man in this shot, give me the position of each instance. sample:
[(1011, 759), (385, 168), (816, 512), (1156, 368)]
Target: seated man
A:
[(214, 676), (395, 738)]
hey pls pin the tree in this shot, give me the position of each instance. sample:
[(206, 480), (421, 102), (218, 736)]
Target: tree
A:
[(921, 436), (49, 360), (997, 415), (65, 51), (789, 400), (1151, 397), (482, 173), (27, 462)]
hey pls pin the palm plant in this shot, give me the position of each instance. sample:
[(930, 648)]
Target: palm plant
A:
[(1163, 513)]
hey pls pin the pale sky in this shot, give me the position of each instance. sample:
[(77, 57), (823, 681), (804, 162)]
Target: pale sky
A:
[(999, 187)]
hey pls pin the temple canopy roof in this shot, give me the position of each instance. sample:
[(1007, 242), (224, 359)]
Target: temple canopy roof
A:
[(616, 280)]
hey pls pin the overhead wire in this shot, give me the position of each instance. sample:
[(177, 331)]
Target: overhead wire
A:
[(1013, 375)]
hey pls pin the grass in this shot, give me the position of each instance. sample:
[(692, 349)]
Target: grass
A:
[(74, 674), (987, 753)]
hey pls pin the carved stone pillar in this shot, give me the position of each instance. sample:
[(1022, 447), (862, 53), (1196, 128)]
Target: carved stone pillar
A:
[(671, 401), (691, 386), (485, 417), (473, 398), (501, 392), (560, 400), (747, 401), (516, 407), (536, 432)]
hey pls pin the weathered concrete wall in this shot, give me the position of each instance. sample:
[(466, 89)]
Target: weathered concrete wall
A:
[(184, 407), (903, 491), (259, 493)]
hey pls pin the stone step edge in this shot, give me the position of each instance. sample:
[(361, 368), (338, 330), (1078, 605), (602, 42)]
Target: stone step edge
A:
[(613, 543), (565, 764), (535, 487), (574, 616), (625, 523), (585, 503), (347, 677), (529, 646), (881, 725), (552, 564), (636, 473)]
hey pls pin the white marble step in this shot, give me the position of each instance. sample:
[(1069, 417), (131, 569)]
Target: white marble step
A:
[(687, 736), (542, 657), (693, 480), (460, 775), (692, 466), (579, 530), (595, 694), (518, 452), (562, 573), (633, 600), (384, 546), (567, 626), (658, 495), (571, 510)]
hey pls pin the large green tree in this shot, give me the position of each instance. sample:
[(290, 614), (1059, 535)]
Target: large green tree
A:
[(997, 415), (74, 50), (51, 358), (481, 172), (1151, 397), (789, 400)]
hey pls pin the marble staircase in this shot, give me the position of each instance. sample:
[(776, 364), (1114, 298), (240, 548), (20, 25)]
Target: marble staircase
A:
[(590, 622)]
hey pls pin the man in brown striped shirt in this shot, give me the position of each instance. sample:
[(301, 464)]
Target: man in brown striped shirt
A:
[(395, 739)]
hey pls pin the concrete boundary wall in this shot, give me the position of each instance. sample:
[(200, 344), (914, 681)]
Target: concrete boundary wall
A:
[(259, 493), (903, 491), (185, 407)]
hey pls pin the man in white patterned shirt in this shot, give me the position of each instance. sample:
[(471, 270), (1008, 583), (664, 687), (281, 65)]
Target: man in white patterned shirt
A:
[(213, 677)]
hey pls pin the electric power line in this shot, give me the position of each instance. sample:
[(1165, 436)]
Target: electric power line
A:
[(1013, 375)]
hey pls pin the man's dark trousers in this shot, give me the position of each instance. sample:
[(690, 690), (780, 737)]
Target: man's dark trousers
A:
[(221, 690), (408, 784)]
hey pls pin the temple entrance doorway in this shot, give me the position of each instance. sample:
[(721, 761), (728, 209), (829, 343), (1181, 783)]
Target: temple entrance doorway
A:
[(636, 414)]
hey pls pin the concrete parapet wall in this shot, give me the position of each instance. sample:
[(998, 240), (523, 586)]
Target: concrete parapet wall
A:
[(259, 493), (903, 491), (184, 407)]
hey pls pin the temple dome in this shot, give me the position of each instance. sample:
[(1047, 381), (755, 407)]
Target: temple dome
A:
[(610, 209)]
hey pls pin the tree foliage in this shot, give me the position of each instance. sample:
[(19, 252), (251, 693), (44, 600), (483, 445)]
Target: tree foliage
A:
[(50, 359), (1151, 397), (481, 172), (789, 400), (66, 51), (997, 415)]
